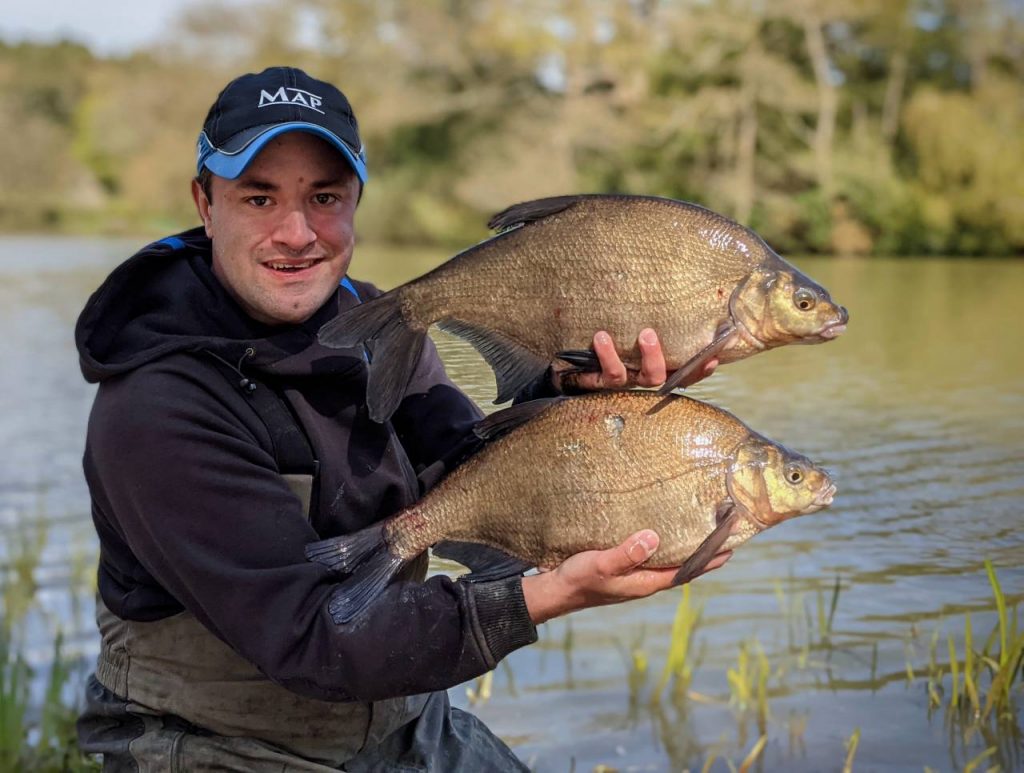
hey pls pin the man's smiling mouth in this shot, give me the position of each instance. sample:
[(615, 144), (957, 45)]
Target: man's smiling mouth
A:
[(292, 265)]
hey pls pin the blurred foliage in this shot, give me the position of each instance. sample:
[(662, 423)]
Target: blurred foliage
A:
[(869, 126)]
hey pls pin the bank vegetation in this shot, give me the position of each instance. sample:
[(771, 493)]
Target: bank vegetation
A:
[(853, 127)]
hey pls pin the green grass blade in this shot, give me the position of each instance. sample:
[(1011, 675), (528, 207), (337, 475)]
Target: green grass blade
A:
[(851, 750), (1001, 607), (954, 667), (999, 689), (970, 689), (835, 602), (976, 761), (755, 752)]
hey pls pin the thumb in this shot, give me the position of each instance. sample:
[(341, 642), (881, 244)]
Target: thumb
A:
[(634, 551)]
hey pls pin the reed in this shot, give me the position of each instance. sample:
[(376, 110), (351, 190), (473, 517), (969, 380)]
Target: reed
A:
[(18, 588), (680, 662), (14, 684), (974, 763), (44, 742), (809, 626), (998, 662), (851, 750), (480, 693), (755, 752), (825, 621), (748, 685)]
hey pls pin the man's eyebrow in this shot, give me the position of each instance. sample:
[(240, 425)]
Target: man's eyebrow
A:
[(330, 182), (256, 185)]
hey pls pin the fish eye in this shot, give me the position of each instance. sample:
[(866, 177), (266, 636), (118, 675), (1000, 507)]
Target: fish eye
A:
[(794, 474), (804, 299)]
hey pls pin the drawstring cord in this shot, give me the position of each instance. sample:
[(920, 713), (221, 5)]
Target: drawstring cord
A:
[(244, 383)]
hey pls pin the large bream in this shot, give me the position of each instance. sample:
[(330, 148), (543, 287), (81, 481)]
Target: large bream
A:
[(563, 268), (566, 475)]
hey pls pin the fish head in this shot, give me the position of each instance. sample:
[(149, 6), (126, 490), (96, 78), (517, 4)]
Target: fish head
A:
[(777, 305), (773, 484)]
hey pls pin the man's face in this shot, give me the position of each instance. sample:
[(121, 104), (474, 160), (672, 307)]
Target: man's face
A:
[(282, 232)]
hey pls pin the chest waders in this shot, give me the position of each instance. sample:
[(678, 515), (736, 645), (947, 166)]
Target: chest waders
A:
[(168, 695)]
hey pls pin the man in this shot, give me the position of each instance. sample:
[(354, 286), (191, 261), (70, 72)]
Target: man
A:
[(223, 439)]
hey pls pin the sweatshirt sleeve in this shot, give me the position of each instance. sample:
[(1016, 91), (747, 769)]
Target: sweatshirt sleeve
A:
[(194, 494), (435, 420)]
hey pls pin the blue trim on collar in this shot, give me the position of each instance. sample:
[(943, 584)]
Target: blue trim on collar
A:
[(347, 284), (173, 242)]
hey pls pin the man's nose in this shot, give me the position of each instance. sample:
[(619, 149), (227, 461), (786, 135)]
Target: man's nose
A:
[(294, 231)]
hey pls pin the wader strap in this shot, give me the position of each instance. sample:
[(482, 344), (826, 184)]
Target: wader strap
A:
[(292, 450)]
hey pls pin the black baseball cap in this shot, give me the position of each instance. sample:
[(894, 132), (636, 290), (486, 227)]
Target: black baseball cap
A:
[(256, 107)]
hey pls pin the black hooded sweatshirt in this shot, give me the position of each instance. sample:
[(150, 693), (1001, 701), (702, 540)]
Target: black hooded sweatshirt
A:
[(193, 513)]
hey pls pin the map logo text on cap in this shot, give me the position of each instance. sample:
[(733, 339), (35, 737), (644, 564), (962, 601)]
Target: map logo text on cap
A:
[(288, 95)]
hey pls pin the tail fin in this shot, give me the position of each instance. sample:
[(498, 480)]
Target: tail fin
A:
[(365, 558), (395, 346), (343, 554)]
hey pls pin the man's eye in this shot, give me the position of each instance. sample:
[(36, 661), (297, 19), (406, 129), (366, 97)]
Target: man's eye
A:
[(259, 201), (325, 198)]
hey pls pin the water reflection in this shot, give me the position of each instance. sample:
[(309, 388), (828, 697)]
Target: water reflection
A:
[(917, 409)]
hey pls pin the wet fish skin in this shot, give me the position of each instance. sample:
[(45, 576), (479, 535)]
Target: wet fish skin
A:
[(569, 266), (589, 471)]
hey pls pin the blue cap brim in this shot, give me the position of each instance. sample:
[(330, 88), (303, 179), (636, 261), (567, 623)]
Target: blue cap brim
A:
[(230, 164)]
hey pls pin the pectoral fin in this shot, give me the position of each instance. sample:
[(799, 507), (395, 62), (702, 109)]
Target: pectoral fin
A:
[(709, 548), (718, 343), (514, 366)]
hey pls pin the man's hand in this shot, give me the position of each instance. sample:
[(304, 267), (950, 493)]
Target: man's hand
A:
[(615, 375), (598, 577)]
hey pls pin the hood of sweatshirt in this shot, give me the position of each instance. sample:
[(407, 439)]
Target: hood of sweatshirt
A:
[(166, 299)]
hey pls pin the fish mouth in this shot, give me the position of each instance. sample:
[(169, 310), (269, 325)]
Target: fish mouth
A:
[(838, 327), (833, 331), (825, 497)]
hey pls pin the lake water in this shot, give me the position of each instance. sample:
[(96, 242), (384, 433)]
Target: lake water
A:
[(918, 409)]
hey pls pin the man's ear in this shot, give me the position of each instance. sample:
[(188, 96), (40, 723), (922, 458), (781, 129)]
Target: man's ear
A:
[(202, 206)]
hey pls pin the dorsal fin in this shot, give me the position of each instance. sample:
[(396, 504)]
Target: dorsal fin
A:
[(502, 422), (529, 211)]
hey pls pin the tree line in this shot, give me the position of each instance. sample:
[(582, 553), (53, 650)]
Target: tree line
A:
[(849, 127)]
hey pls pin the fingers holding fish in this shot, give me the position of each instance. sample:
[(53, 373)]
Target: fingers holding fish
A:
[(613, 373), (652, 359), (596, 578)]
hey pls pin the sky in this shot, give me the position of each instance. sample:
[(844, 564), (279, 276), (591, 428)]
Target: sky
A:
[(107, 26)]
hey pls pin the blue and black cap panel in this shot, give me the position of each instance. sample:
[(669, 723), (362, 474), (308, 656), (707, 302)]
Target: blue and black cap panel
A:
[(256, 107)]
